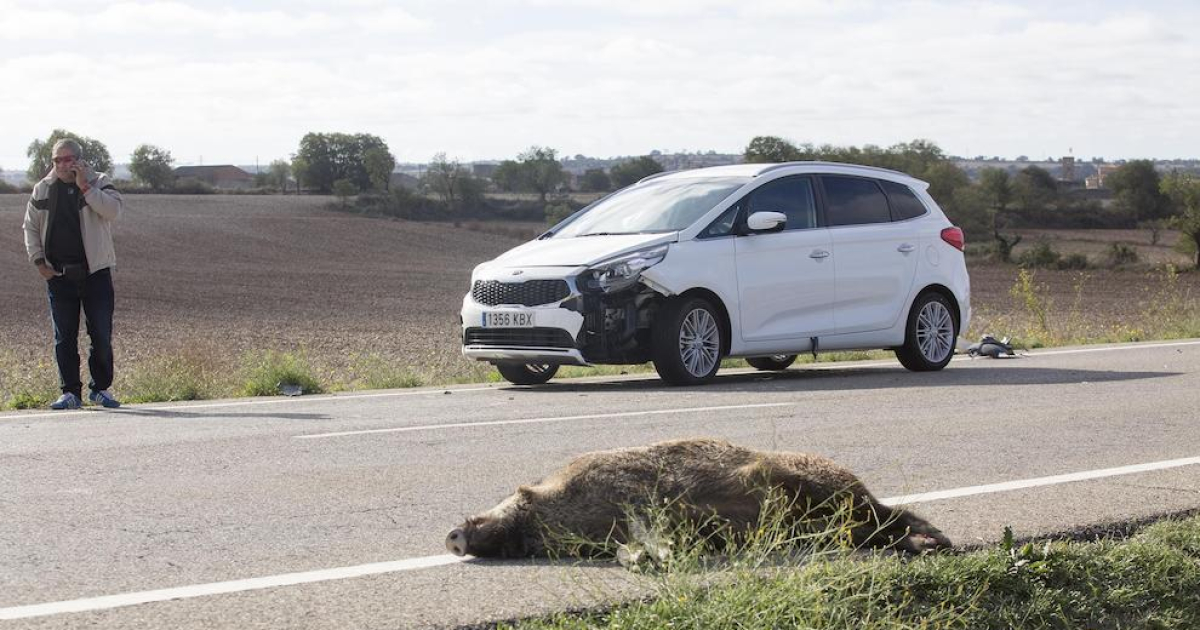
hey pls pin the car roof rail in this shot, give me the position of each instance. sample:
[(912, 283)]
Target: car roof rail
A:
[(657, 175), (880, 169)]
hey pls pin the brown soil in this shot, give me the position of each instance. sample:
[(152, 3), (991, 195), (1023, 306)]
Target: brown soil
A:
[(227, 274)]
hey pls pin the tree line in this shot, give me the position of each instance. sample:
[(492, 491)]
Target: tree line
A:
[(988, 209)]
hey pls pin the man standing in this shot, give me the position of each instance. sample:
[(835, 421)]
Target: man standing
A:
[(68, 235)]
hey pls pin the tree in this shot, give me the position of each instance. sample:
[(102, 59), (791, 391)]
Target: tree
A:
[(151, 166), (542, 172), (379, 164), (453, 183), (344, 189), (595, 180), (1138, 190), (763, 149), (1184, 191), (508, 176), (1034, 188), (633, 171), (442, 178), (39, 154), (300, 169), (995, 185), (328, 157), (278, 173)]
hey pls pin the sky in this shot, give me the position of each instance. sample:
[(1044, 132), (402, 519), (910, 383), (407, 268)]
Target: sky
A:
[(225, 82)]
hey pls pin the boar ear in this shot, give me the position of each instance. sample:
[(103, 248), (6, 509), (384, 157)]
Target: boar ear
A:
[(526, 493)]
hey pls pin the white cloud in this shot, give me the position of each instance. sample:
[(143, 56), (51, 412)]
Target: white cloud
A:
[(610, 77)]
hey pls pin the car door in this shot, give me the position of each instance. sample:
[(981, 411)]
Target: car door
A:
[(875, 259), (785, 278)]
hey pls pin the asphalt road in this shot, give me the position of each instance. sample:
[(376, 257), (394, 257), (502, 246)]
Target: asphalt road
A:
[(330, 511)]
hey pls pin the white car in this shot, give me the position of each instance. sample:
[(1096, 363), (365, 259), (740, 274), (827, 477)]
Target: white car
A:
[(763, 261)]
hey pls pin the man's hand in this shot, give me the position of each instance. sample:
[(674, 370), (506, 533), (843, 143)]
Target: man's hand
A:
[(47, 271), (83, 174)]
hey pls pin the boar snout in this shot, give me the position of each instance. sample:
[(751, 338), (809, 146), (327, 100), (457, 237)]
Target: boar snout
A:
[(456, 542)]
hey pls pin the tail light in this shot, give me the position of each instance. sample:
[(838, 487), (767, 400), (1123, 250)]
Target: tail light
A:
[(954, 236)]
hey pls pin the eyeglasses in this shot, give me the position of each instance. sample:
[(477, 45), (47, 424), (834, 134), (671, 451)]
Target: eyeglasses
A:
[(66, 159)]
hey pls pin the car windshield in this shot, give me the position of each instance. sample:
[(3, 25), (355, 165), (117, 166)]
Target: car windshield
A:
[(666, 205)]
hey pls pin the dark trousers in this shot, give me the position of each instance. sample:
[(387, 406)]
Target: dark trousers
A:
[(95, 296)]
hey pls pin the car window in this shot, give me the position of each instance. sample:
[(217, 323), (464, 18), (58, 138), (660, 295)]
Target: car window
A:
[(905, 204), (854, 201), (656, 206), (793, 196), (723, 225)]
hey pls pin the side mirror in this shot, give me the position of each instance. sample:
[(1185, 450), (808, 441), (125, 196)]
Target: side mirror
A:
[(766, 221)]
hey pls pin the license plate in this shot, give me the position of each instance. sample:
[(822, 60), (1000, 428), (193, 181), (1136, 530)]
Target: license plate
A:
[(508, 319)]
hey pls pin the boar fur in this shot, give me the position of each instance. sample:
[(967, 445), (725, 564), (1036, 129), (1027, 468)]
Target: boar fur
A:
[(705, 480)]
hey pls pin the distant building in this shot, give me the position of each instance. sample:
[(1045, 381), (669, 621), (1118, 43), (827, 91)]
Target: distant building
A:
[(1096, 182), (1067, 174), (226, 177), (484, 169)]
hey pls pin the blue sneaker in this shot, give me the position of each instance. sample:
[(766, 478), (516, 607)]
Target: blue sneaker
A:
[(104, 397), (67, 401)]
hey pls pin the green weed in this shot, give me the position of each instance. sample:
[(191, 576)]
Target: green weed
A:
[(267, 372), (1149, 581)]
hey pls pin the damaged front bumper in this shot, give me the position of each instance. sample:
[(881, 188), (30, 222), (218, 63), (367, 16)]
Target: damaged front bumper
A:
[(503, 321)]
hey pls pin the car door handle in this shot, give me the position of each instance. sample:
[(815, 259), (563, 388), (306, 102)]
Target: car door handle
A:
[(819, 253), (906, 249)]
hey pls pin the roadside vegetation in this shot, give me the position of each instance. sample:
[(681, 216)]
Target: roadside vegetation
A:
[(1035, 307), (1148, 580)]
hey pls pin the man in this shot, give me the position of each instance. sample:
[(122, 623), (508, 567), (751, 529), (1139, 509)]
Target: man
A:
[(68, 235)]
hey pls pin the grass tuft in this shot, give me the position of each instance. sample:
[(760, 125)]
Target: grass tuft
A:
[(189, 375), (266, 372)]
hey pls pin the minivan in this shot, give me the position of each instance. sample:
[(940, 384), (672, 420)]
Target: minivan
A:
[(761, 261)]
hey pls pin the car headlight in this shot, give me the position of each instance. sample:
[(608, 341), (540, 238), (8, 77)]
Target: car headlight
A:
[(616, 274)]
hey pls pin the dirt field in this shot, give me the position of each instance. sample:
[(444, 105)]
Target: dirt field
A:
[(222, 275)]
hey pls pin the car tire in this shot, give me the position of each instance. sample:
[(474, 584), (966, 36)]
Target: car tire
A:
[(931, 334), (773, 363), (527, 373), (687, 341)]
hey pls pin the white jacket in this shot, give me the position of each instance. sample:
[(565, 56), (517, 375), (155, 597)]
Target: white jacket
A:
[(104, 205)]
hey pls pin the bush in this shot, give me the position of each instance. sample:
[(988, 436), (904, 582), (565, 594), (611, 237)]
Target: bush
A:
[(7, 188), (1040, 256), (268, 373), (1073, 261), (192, 186), (1120, 254)]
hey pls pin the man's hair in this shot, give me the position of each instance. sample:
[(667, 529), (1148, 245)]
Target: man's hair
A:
[(71, 144)]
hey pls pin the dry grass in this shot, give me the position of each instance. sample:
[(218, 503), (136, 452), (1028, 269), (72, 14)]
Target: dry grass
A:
[(211, 282)]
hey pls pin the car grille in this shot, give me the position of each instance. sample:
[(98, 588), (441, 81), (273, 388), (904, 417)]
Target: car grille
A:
[(531, 293), (518, 337)]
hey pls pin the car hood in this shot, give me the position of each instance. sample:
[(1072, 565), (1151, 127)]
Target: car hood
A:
[(580, 251)]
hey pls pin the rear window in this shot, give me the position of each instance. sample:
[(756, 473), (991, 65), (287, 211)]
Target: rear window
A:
[(905, 204), (854, 201)]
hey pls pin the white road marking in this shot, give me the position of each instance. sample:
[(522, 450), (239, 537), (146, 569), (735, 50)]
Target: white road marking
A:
[(1050, 353), (495, 423), (1009, 486), (219, 588), (412, 564)]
